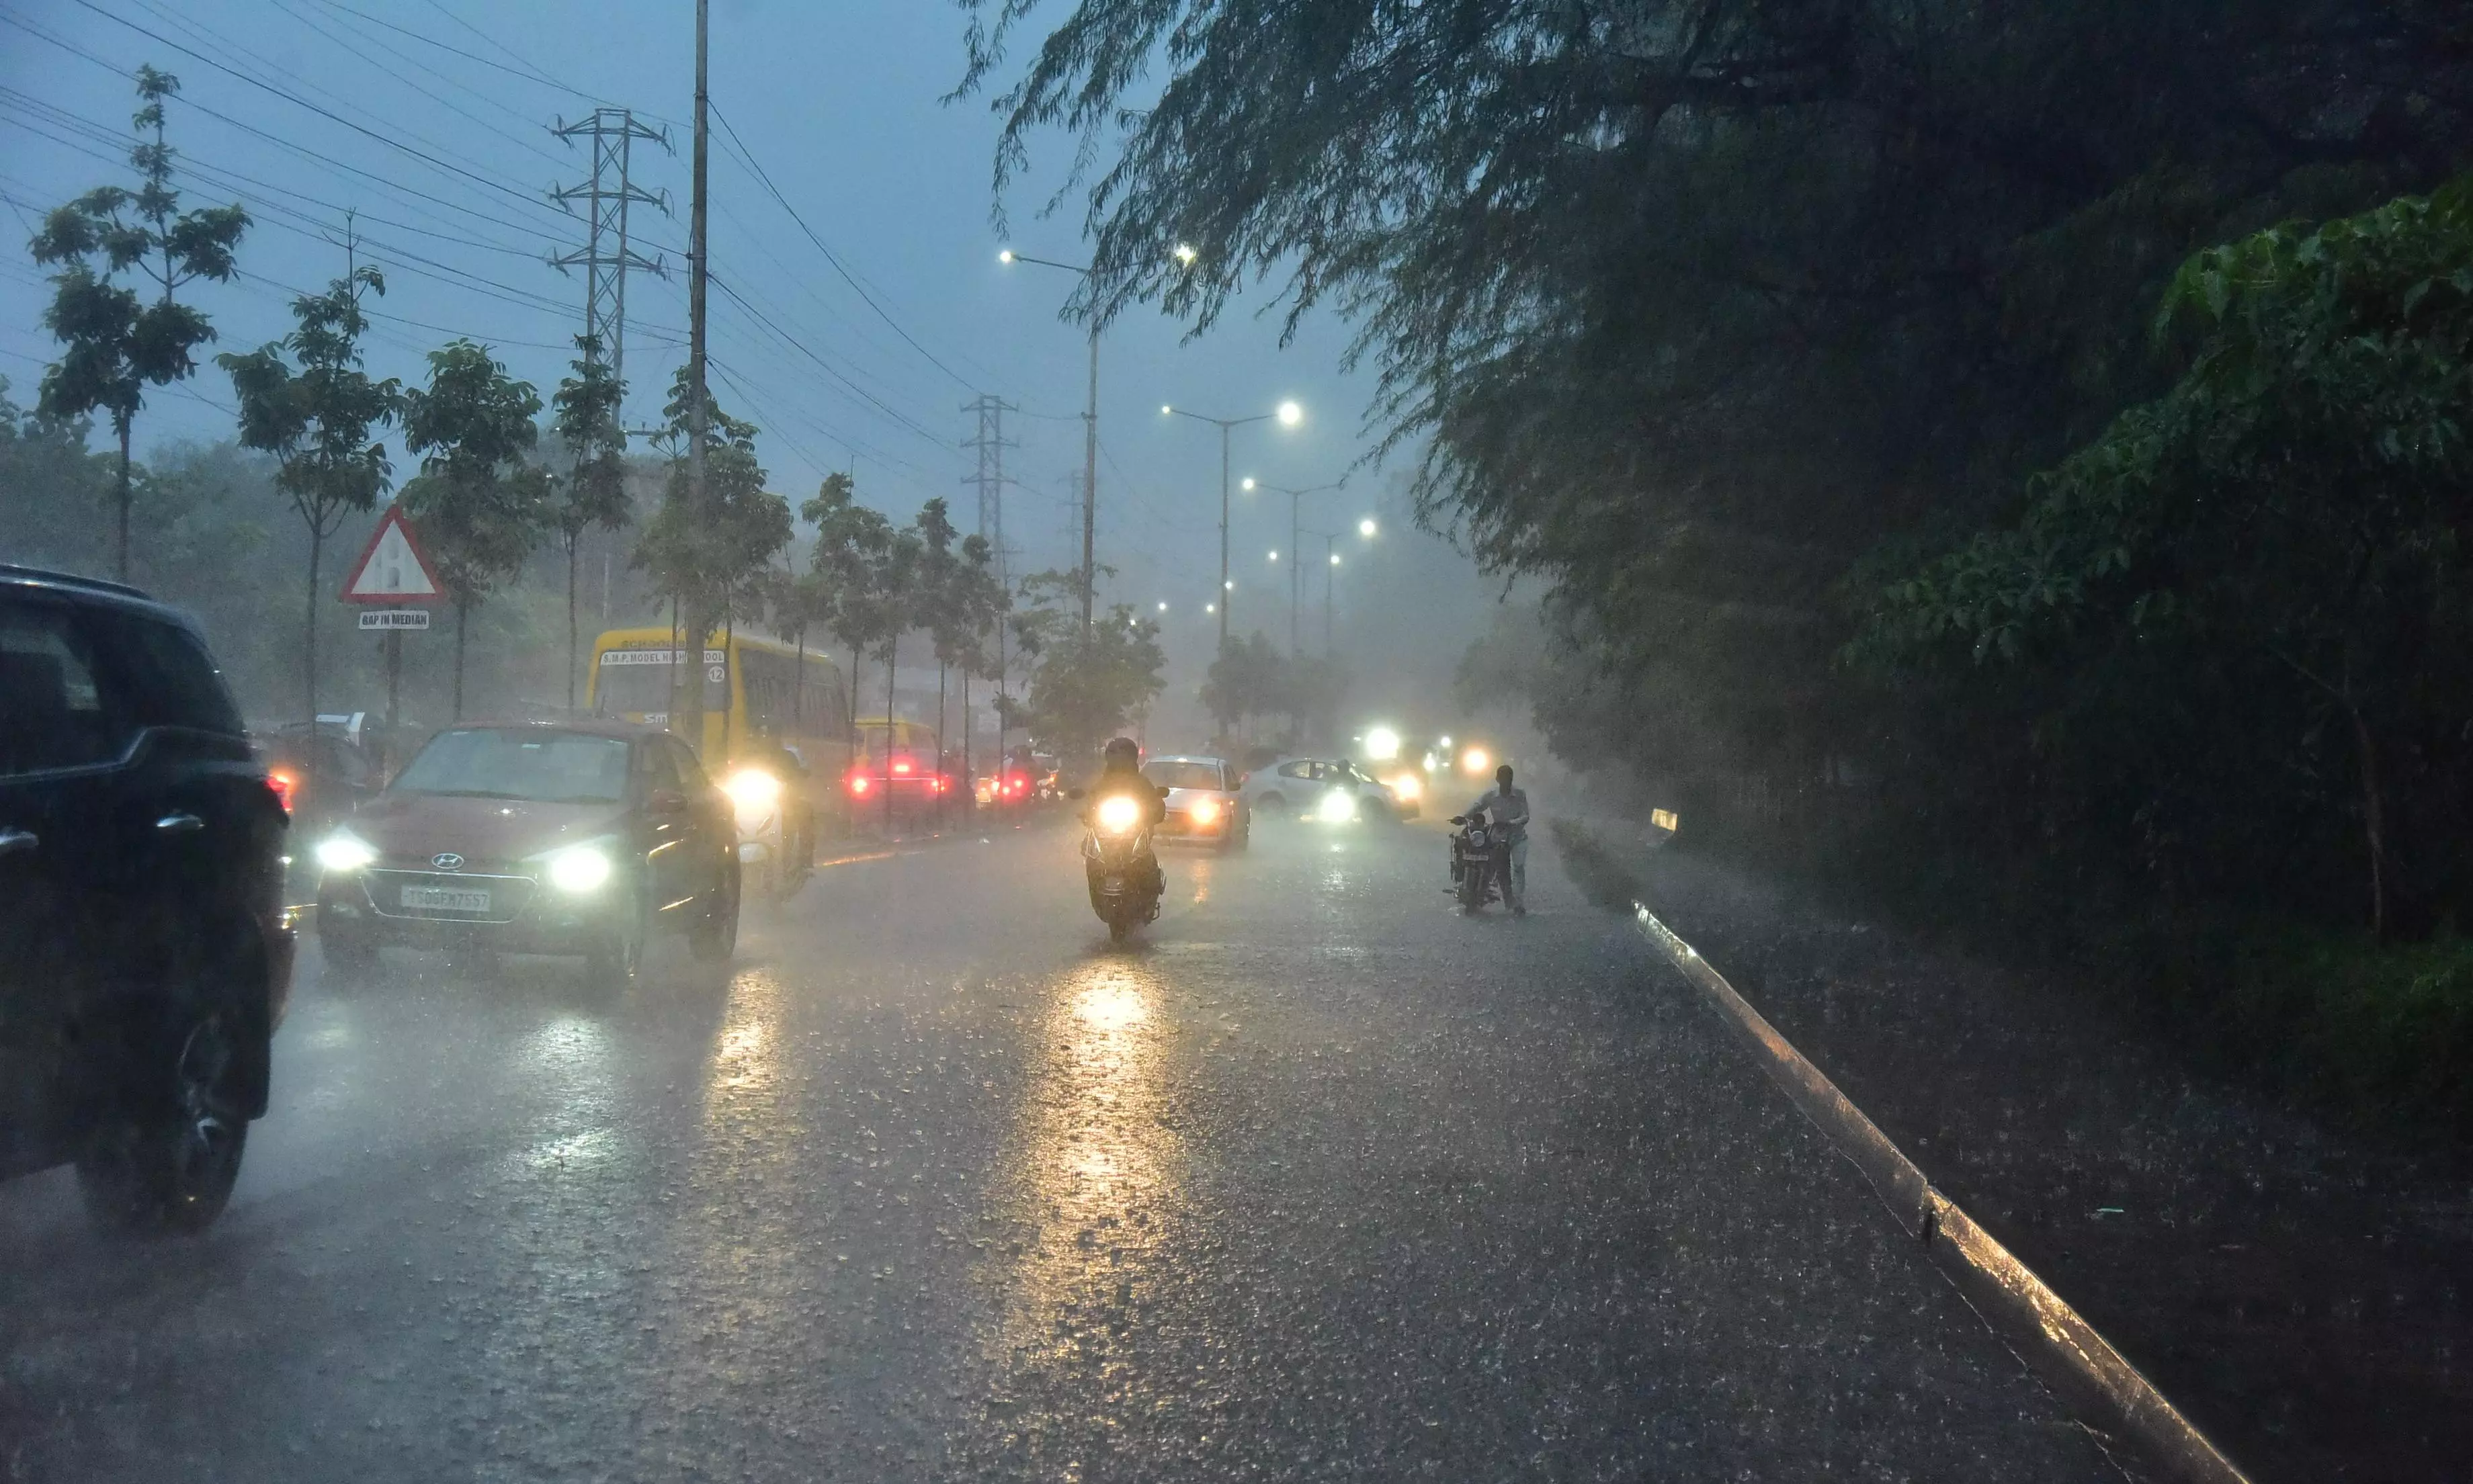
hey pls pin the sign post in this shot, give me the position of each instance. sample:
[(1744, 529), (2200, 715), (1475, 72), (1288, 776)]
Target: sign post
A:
[(391, 573)]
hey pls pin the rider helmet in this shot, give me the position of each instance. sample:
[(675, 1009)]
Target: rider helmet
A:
[(1122, 752)]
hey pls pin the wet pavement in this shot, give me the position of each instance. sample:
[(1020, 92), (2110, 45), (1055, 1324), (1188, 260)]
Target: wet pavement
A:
[(1316, 1181)]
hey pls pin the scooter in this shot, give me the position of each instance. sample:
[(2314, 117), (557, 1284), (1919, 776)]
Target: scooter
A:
[(1480, 859), (776, 850), (1117, 856)]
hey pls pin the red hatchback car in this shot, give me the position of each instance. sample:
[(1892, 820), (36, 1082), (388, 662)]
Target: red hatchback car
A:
[(535, 837)]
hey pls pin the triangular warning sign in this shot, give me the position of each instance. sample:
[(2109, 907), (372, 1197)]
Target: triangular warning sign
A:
[(392, 569)]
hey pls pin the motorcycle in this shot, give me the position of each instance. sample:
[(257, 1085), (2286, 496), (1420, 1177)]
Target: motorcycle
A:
[(1124, 876), (1480, 860), (775, 853)]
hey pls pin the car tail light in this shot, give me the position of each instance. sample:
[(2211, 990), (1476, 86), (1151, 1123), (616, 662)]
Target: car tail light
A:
[(280, 782), (858, 782)]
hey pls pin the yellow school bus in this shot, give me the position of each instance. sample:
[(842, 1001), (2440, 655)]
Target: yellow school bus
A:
[(756, 692)]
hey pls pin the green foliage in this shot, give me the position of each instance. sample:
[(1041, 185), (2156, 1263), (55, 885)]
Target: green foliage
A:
[(480, 505), (317, 423), (1086, 683), (585, 417), (2278, 534), (593, 491), (854, 544), (1252, 678), (710, 555), (115, 344)]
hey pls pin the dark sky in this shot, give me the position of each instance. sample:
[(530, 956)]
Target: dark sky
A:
[(431, 119)]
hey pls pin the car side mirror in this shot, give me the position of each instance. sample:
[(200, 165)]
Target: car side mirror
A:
[(1074, 793), (665, 800), (1163, 793)]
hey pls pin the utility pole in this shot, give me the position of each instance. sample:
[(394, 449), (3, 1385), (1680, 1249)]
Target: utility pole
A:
[(606, 257), (1091, 482), (698, 255)]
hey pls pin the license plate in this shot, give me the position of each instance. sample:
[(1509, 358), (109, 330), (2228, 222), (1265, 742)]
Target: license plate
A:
[(445, 899)]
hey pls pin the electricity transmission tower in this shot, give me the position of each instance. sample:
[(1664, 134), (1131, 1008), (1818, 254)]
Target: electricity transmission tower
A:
[(606, 257), (989, 443)]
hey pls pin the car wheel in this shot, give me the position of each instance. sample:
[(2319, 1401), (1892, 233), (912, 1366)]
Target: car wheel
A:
[(715, 936), (1273, 803), (166, 1165), (617, 961)]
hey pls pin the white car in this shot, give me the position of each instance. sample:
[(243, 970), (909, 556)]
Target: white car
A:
[(1324, 788), (1203, 803)]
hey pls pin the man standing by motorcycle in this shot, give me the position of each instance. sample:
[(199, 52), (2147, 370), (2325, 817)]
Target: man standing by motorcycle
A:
[(1507, 809)]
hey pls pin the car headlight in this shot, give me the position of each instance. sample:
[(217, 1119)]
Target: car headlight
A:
[(1338, 807), (1118, 814), (579, 869), (344, 851), (1204, 811), (752, 789), (1406, 785)]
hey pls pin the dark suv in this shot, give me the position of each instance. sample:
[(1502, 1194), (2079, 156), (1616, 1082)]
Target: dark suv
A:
[(145, 950)]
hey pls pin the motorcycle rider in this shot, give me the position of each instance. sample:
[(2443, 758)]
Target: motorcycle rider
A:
[(1121, 772), (1507, 808)]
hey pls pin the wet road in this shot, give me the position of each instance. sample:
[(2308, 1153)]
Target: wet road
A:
[(1319, 1180)]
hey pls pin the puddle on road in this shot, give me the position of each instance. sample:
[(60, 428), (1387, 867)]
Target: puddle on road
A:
[(1097, 1179)]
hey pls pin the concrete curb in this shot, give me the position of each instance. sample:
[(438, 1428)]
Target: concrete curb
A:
[(2120, 1405)]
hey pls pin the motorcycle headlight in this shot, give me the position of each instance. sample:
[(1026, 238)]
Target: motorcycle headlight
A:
[(753, 788), (579, 869), (1118, 814), (344, 852), (1204, 811), (1338, 807)]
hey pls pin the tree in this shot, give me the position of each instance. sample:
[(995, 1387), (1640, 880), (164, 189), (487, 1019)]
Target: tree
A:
[(709, 557), (849, 561), (1696, 308), (480, 505), (594, 490), (1243, 681), (2262, 567), (1086, 684), (116, 345), (315, 422)]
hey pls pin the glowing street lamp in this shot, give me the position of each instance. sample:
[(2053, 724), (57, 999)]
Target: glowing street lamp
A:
[(1367, 528), (1287, 415)]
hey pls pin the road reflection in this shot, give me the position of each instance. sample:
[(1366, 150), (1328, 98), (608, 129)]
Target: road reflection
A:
[(1098, 1176)]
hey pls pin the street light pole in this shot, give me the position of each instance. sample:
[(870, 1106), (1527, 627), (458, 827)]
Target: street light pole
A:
[(1296, 548), (1289, 415), (1224, 588), (1089, 442), (1091, 481)]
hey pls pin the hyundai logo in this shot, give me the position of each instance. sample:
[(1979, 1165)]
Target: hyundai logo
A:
[(449, 861)]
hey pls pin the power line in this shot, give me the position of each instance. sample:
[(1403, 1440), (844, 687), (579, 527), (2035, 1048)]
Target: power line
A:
[(749, 160), (329, 114)]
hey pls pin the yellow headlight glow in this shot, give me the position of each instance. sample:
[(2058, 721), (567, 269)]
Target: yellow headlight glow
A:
[(341, 852), (1476, 760), (1118, 814), (1204, 811), (753, 788), (1407, 786)]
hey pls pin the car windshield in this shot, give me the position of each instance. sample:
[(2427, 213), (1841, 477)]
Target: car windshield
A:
[(1182, 772), (517, 762)]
